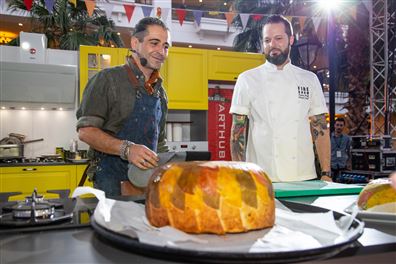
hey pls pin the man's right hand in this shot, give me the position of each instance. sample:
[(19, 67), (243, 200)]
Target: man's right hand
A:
[(142, 157)]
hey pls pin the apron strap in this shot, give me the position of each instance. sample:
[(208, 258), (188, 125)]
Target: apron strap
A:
[(131, 76)]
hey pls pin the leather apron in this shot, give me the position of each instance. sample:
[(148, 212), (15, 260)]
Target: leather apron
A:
[(141, 127)]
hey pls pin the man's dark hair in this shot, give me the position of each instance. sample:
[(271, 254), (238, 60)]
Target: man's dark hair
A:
[(340, 119), (275, 19), (140, 30)]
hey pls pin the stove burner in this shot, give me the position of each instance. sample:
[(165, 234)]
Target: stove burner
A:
[(33, 211)]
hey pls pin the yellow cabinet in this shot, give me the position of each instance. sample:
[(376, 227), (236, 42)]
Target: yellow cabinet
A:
[(25, 178), (93, 59), (79, 172), (186, 79), (227, 65)]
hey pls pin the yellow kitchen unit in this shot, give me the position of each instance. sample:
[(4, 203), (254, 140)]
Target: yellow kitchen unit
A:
[(186, 81), (227, 65), (26, 178), (80, 168), (93, 59)]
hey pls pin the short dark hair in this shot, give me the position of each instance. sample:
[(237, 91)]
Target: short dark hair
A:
[(140, 30), (276, 19), (340, 119)]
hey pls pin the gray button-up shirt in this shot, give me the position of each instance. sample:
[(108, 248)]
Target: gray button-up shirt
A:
[(109, 98)]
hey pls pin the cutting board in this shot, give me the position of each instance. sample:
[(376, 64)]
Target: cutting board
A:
[(314, 188)]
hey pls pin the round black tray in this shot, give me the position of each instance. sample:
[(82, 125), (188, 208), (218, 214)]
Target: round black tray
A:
[(177, 254)]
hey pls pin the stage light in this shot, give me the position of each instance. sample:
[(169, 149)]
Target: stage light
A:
[(329, 4)]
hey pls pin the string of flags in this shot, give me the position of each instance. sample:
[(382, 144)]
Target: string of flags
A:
[(181, 13)]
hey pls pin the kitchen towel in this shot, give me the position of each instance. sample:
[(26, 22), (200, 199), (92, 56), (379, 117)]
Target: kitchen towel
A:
[(315, 229)]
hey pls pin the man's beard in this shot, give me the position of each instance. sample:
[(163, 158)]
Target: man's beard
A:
[(280, 58)]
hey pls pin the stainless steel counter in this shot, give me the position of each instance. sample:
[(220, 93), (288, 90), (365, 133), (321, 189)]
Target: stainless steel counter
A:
[(82, 245)]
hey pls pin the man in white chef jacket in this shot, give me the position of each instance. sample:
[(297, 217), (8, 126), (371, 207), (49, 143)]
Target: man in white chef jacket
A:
[(279, 109)]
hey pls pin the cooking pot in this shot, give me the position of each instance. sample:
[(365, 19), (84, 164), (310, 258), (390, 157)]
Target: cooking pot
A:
[(12, 151)]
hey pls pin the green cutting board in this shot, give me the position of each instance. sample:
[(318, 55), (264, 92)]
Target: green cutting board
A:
[(314, 188)]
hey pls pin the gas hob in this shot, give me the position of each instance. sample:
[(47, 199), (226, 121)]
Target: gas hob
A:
[(36, 213)]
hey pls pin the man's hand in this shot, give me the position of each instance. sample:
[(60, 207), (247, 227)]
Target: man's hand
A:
[(326, 178), (142, 157)]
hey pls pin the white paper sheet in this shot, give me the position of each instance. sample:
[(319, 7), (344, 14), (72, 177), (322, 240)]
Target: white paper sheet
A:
[(315, 229)]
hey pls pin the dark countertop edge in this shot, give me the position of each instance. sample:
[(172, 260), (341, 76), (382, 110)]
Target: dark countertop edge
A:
[(35, 164)]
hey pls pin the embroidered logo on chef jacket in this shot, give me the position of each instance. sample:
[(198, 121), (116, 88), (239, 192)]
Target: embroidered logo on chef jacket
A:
[(303, 92)]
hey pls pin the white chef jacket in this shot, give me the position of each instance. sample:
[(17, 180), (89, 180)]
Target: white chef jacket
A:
[(278, 104)]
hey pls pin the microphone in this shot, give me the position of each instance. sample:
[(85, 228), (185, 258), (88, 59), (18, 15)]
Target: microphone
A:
[(143, 61)]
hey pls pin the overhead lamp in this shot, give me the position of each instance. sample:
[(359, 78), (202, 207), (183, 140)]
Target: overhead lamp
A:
[(20, 24), (308, 49), (190, 46)]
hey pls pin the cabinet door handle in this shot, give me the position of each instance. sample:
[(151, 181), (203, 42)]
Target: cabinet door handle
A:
[(29, 169)]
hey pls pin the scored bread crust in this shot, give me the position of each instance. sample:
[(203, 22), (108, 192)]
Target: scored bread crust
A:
[(210, 197)]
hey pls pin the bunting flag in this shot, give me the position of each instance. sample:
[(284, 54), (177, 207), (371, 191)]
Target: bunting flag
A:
[(302, 22), (289, 18), (129, 11), (165, 14), (74, 2), (90, 4), (49, 4), (181, 14), (316, 22), (229, 17), (257, 17), (244, 19), (28, 4), (214, 13), (197, 16), (108, 8), (146, 10), (158, 13)]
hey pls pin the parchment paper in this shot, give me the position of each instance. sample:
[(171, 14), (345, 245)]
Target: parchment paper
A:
[(292, 231)]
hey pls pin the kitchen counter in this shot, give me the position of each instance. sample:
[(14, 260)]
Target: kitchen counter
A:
[(83, 245), (57, 163)]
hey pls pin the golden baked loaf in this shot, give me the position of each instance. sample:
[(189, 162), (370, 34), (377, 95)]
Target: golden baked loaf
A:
[(375, 193), (210, 197)]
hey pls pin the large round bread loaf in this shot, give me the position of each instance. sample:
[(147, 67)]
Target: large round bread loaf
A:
[(376, 192), (210, 197)]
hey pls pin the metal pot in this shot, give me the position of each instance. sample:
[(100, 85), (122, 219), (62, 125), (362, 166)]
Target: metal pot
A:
[(11, 151)]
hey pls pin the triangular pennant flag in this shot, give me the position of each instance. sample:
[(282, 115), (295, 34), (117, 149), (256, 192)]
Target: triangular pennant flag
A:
[(229, 17), (49, 4), (197, 16), (165, 13), (289, 18), (213, 13), (257, 17), (158, 12), (353, 12), (244, 19), (146, 10), (129, 11), (28, 4), (108, 9), (181, 14), (302, 23), (90, 4), (316, 22), (74, 2)]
